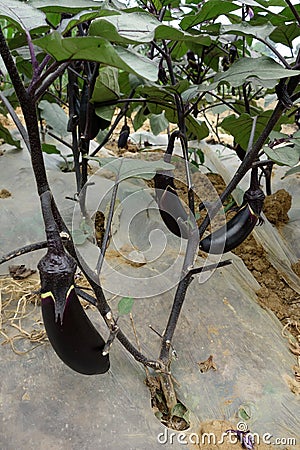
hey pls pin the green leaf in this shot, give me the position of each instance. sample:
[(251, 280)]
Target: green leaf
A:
[(50, 149), (292, 171), (285, 34), (105, 112), (178, 410), (288, 13), (196, 129), (158, 123), (241, 127), (263, 70), (8, 138), (61, 6), (245, 29), (125, 28), (125, 306), (209, 10), (55, 117), (284, 156), (67, 24), (99, 50), (138, 28), (140, 117), (106, 86), (24, 16)]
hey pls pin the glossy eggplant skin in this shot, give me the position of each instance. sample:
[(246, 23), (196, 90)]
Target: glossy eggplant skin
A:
[(170, 206), (75, 339), (231, 234), (123, 137)]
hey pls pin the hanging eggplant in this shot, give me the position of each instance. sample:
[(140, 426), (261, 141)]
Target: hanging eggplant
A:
[(170, 207), (75, 340), (90, 122), (237, 229), (124, 135), (70, 331)]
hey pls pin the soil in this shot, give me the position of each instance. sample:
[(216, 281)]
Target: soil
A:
[(4, 193)]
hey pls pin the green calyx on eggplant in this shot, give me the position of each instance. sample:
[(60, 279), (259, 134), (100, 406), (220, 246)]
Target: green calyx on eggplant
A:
[(75, 340), (237, 229), (70, 332)]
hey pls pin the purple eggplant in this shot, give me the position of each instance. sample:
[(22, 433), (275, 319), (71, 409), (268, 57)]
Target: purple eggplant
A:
[(170, 207), (74, 338), (229, 236), (237, 229), (123, 137), (70, 331)]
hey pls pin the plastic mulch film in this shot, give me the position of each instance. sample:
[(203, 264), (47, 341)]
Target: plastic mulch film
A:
[(42, 400)]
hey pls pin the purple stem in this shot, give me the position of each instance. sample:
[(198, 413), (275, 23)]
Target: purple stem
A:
[(34, 61), (44, 63)]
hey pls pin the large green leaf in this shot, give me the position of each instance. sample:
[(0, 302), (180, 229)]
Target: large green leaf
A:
[(284, 156), (140, 117), (245, 29), (262, 69), (55, 117), (240, 127), (196, 129), (209, 10), (285, 34), (83, 16), (61, 6), (97, 49), (288, 13), (106, 86), (139, 27), (267, 3), (126, 27), (24, 16), (288, 153)]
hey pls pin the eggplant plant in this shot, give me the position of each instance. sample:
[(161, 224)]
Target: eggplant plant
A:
[(106, 63)]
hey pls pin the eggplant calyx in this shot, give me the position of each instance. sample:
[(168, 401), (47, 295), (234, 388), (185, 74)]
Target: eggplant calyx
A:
[(56, 268)]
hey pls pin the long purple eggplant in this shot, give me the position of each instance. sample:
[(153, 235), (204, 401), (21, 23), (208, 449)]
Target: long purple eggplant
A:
[(70, 331), (170, 207), (232, 234), (237, 229), (74, 338)]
